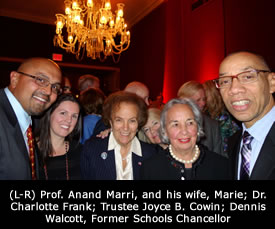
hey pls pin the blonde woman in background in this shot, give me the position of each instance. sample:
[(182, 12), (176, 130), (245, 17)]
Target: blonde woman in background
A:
[(150, 131)]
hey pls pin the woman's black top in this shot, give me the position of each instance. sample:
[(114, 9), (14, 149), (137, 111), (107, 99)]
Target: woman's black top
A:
[(57, 167), (209, 166)]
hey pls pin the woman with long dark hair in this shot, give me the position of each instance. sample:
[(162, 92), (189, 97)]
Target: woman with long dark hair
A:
[(58, 137)]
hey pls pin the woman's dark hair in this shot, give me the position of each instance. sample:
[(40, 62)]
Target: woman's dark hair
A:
[(114, 100), (92, 101), (42, 133)]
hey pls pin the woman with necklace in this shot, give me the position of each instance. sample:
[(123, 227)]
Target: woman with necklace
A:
[(58, 138), (120, 155), (185, 158)]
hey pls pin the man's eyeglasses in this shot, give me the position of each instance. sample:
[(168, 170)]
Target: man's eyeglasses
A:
[(243, 77), (42, 82)]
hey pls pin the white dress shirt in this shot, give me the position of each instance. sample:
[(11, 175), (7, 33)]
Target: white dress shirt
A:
[(127, 173), (259, 132)]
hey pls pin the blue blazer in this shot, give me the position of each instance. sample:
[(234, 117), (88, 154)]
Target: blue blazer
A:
[(94, 166)]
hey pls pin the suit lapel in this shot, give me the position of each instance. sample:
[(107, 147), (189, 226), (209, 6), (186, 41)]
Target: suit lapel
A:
[(109, 165), (137, 162), (21, 143), (233, 150), (265, 163)]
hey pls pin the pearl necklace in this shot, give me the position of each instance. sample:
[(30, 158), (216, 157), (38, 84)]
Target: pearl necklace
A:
[(197, 153)]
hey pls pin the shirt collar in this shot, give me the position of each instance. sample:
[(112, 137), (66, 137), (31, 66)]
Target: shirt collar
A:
[(261, 128), (24, 119), (135, 146)]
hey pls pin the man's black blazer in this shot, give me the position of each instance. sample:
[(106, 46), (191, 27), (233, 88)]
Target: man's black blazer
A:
[(264, 168), (14, 158)]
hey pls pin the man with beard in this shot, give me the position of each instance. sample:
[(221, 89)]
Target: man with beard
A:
[(33, 88)]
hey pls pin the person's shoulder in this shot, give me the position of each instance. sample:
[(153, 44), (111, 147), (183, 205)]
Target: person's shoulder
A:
[(148, 149), (75, 148), (2, 90), (76, 145), (91, 117), (100, 126), (97, 140), (93, 148), (96, 143), (7, 112), (212, 166), (235, 137), (145, 145), (160, 157), (212, 156), (209, 120), (3, 100)]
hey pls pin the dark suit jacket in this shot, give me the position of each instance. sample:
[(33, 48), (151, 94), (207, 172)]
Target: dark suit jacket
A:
[(14, 158), (264, 168), (100, 126), (212, 139), (94, 167)]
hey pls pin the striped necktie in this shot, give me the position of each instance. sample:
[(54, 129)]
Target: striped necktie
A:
[(246, 154)]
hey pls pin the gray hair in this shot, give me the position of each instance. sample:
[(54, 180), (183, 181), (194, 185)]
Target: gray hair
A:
[(170, 104), (87, 81)]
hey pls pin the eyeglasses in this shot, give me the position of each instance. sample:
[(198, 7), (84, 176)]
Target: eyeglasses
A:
[(42, 82), (243, 77)]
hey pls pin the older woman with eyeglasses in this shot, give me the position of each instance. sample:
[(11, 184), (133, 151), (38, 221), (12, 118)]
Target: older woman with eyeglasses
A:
[(185, 158)]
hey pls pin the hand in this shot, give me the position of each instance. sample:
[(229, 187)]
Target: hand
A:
[(103, 134)]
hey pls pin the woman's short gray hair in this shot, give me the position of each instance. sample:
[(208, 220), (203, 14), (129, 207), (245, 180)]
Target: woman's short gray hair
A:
[(198, 118)]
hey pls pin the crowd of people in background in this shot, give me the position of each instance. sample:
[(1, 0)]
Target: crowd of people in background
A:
[(210, 131)]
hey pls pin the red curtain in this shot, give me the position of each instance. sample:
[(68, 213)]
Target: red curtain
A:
[(194, 43)]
